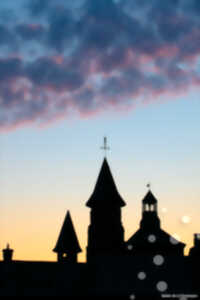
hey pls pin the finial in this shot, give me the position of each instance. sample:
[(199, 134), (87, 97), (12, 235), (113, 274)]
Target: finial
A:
[(105, 146), (148, 186)]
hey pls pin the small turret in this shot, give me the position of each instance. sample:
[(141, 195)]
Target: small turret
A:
[(150, 217), (67, 246), (7, 253), (149, 202)]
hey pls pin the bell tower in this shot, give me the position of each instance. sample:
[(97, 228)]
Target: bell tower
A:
[(150, 217)]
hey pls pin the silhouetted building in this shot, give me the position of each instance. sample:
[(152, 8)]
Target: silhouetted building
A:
[(150, 265), (150, 238), (105, 232), (67, 245)]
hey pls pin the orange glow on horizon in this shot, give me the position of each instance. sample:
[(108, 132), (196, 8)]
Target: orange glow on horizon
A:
[(34, 239)]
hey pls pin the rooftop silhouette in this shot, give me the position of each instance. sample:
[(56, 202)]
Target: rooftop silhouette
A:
[(67, 245), (149, 198), (150, 264), (105, 192)]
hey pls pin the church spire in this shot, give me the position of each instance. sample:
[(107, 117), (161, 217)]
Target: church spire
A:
[(105, 191), (67, 245), (105, 232)]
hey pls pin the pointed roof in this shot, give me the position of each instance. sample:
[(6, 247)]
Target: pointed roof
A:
[(67, 241), (149, 198), (105, 191)]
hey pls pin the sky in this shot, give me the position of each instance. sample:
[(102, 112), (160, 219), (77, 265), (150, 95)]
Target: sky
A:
[(72, 73)]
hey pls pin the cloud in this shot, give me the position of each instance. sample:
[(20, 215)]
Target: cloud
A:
[(61, 28), (30, 31), (90, 55), (38, 7), (4, 35), (10, 68), (45, 72)]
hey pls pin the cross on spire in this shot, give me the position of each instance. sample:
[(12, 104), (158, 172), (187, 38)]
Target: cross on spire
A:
[(105, 145)]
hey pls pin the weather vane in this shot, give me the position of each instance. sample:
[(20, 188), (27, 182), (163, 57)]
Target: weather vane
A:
[(105, 145)]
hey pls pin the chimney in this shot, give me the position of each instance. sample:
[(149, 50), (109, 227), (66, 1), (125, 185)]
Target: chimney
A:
[(7, 254), (197, 240)]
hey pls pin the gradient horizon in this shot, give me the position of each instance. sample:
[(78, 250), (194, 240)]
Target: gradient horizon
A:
[(74, 72), (46, 172)]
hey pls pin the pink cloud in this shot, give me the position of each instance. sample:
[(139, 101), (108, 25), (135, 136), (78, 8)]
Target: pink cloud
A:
[(97, 60)]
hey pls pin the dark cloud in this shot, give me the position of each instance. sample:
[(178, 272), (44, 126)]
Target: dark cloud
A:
[(161, 8), (172, 28), (92, 54), (45, 72), (4, 35), (9, 97), (85, 100), (102, 10), (10, 68), (61, 28), (38, 7), (7, 37), (30, 31)]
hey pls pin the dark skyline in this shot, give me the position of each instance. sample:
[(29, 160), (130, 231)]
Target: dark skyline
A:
[(72, 73), (150, 265)]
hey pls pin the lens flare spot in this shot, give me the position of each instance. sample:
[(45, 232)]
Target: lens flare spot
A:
[(152, 238), (185, 219), (158, 260), (161, 286), (141, 275)]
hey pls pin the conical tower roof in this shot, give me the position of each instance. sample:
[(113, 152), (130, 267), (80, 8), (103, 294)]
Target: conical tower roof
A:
[(149, 198), (105, 191), (67, 241)]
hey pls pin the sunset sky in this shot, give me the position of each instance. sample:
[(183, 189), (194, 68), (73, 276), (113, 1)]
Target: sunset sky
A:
[(72, 73)]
